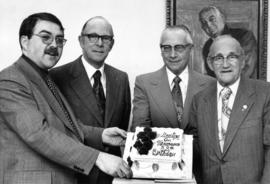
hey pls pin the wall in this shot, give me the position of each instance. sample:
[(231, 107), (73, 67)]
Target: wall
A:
[(137, 26)]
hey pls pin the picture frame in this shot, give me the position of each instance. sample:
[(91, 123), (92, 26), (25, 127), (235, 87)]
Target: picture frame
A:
[(251, 14)]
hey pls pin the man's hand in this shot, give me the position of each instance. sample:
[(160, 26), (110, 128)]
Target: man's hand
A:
[(114, 136), (113, 165)]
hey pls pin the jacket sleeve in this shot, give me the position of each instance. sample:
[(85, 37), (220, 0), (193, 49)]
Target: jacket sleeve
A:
[(127, 105), (141, 108), (249, 44), (21, 112), (266, 142)]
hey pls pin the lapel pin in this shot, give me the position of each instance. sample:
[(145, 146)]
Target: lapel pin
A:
[(244, 107)]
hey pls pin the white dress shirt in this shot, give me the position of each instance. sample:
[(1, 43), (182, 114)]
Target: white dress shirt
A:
[(234, 88), (90, 70), (183, 84)]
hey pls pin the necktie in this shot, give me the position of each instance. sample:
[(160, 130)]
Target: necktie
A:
[(177, 98), (99, 93), (225, 114), (54, 91)]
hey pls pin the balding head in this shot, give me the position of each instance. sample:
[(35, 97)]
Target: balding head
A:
[(100, 22), (226, 58), (96, 40)]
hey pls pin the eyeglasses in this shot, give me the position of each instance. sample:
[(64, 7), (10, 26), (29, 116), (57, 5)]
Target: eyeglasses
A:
[(48, 39), (93, 38), (219, 59), (177, 48)]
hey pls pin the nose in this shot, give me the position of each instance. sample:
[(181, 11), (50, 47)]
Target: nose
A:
[(99, 42), (173, 54), (226, 63), (54, 42)]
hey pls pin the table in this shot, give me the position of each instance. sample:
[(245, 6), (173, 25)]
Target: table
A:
[(144, 181)]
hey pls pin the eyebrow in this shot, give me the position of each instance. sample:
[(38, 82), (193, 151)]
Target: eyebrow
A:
[(48, 32), (220, 54)]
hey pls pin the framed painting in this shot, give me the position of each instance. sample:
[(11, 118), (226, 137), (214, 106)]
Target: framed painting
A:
[(251, 15)]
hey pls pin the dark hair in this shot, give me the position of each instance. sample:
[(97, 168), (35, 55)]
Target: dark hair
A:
[(30, 22), (212, 8)]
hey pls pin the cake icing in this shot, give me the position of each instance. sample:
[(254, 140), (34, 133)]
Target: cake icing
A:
[(160, 153)]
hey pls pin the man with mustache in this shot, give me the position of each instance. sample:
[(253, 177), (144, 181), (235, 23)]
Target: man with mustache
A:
[(102, 101), (162, 98), (213, 23), (41, 141)]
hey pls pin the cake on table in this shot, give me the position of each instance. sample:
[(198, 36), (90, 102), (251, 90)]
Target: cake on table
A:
[(159, 153)]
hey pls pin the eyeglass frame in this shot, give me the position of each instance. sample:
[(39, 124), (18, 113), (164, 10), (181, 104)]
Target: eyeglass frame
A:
[(182, 49), (228, 59), (96, 37), (51, 38)]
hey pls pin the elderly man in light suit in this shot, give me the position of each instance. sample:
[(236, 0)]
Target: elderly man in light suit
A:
[(231, 120), (153, 102), (41, 141), (157, 102)]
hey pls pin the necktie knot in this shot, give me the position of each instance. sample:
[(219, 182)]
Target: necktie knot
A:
[(225, 93), (177, 80), (97, 75)]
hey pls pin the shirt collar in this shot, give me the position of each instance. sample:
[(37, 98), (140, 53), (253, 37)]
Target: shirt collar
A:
[(233, 87), (183, 75), (90, 70)]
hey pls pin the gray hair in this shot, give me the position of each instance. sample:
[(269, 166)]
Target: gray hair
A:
[(177, 28), (218, 11)]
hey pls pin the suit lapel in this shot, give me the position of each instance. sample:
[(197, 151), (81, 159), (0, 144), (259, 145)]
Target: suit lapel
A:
[(243, 102), (80, 83), (35, 78), (210, 118), (160, 90), (112, 89), (195, 84)]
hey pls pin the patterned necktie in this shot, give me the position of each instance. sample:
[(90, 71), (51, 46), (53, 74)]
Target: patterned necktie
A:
[(99, 93), (55, 93), (177, 98), (225, 114)]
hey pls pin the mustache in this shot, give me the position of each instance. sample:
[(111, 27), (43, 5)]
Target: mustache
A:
[(53, 51)]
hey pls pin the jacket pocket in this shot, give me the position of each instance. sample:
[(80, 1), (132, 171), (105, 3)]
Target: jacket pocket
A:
[(28, 177)]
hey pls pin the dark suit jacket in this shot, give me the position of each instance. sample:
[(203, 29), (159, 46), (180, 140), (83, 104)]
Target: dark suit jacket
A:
[(153, 103), (248, 42), (37, 142), (74, 83), (246, 155)]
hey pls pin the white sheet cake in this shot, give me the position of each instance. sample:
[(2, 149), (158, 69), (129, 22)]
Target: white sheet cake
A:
[(160, 153)]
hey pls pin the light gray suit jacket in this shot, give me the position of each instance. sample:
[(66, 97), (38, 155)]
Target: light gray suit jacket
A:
[(246, 154), (37, 143), (153, 103)]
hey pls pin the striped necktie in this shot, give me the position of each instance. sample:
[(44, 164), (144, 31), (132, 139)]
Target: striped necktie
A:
[(52, 87), (225, 94)]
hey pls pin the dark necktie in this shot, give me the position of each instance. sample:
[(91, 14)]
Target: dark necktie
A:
[(54, 91), (99, 93), (177, 98)]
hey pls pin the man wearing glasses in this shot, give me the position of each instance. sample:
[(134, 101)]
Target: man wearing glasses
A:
[(41, 141), (98, 93), (230, 120), (162, 98)]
